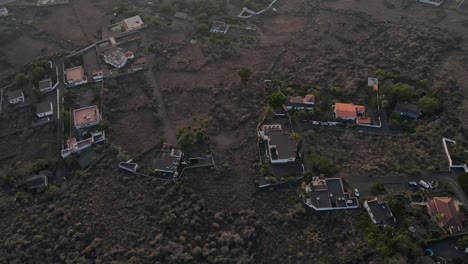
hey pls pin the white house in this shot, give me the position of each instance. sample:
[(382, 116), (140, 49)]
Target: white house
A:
[(15, 96), (300, 103), (219, 27), (46, 85), (74, 146), (3, 11), (379, 212), (44, 109)]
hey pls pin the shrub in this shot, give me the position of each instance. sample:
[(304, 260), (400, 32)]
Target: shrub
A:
[(244, 74), (429, 106), (21, 79), (320, 164), (276, 100), (463, 180)]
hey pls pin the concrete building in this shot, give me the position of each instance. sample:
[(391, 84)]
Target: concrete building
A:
[(75, 76), (132, 23), (86, 117), (44, 109), (15, 96), (300, 103), (379, 212), (280, 147), (324, 194)]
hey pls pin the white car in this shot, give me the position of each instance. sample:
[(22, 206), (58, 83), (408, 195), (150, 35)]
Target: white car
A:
[(356, 192)]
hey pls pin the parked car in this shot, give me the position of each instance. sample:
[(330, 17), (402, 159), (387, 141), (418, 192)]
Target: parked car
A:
[(356, 192), (412, 185), (424, 184)]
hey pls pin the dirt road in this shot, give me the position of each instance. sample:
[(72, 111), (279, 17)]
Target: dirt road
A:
[(151, 79)]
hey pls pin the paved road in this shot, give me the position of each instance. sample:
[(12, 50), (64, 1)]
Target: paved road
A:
[(169, 130), (364, 183)]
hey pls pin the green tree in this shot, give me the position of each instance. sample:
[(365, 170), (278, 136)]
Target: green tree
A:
[(268, 112), (21, 79), (429, 106), (276, 99), (308, 177), (320, 164), (65, 116), (37, 74), (463, 242), (244, 74), (202, 28)]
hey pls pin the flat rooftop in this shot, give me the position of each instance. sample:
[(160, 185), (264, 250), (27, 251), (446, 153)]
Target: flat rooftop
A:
[(134, 22), (329, 194), (285, 144), (45, 83), (75, 74), (86, 115), (168, 159)]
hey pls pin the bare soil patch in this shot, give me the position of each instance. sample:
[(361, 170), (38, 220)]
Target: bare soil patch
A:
[(136, 132)]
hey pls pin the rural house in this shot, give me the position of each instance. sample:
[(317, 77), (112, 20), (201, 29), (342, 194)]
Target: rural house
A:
[(132, 23), (74, 146), (3, 11), (300, 103), (168, 160), (280, 147), (46, 85), (75, 76), (86, 117), (219, 27), (444, 211), (37, 183), (98, 75), (44, 109), (379, 212), (15, 96), (408, 110), (351, 112), (323, 194)]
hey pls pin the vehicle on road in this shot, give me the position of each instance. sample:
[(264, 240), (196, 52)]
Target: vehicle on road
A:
[(356, 192), (424, 184)]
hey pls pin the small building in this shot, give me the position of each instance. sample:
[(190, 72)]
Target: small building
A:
[(37, 183), (408, 110), (46, 85), (132, 23), (219, 27), (139, 64), (3, 11), (98, 75), (86, 117), (280, 147), (181, 15), (15, 96), (379, 212), (75, 76), (445, 212), (250, 26), (324, 194), (168, 160), (74, 146), (44, 109), (300, 103), (117, 58)]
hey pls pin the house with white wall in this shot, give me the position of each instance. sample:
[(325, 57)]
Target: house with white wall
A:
[(44, 109), (75, 76), (300, 103), (15, 96)]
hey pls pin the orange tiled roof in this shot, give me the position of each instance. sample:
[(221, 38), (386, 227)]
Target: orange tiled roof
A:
[(348, 110), (447, 208)]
